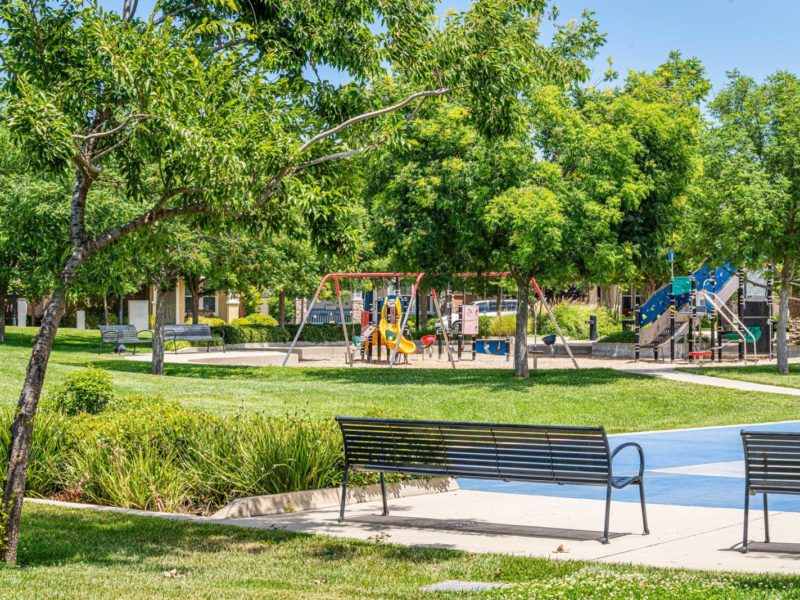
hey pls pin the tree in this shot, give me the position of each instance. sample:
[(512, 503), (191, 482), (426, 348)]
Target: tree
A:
[(204, 110), (452, 202), (633, 150), (747, 202)]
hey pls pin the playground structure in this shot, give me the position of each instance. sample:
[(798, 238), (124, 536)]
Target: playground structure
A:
[(391, 329), (676, 311)]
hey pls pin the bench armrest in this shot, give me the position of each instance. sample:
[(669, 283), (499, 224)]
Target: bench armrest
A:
[(146, 332), (641, 459), (219, 333)]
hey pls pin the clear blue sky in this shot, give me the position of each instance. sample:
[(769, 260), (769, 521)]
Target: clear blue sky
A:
[(757, 37)]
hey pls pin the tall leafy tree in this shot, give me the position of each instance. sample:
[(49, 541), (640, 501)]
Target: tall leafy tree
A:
[(205, 110), (747, 203)]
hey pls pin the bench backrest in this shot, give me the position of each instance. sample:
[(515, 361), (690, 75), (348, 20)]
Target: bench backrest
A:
[(543, 453), (772, 461), (188, 330), (121, 329)]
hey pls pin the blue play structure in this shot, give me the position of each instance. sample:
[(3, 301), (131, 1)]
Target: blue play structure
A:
[(658, 303), (495, 347)]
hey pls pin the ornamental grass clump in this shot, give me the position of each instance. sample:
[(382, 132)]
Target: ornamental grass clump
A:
[(154, 454)]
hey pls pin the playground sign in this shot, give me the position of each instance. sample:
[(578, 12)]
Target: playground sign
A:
[(469, 319)]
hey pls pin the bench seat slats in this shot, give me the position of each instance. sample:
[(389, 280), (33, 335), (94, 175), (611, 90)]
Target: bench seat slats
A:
[(772, 461), (555, 454)]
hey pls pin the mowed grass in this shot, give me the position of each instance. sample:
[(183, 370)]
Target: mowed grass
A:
[(765, 374), (70, 553), (619, 401)]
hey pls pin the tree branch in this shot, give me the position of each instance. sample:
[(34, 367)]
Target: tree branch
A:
[(338, 155), (371, 115), (177, 12), (118, 128)]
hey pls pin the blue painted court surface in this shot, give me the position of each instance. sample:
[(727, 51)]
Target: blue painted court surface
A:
[(697, 467)]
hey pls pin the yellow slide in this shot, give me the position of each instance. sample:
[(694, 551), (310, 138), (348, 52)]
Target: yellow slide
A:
[(389, 331)]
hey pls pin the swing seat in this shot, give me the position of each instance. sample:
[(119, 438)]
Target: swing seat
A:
[(427, 340)]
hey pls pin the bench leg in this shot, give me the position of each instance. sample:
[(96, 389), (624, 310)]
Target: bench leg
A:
[(766, 519), (344, 493), (644, 508), (383, 495), (746, 517), (604, 539)]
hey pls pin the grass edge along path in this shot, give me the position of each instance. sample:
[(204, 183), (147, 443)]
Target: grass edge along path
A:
[(72, 553), (763, 374)]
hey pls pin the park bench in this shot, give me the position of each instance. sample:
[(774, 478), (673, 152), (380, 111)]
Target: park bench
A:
[(533, 453), (193, 333), (121, 335), (772, 466)]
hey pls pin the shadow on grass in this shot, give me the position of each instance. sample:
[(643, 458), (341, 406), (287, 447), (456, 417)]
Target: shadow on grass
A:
[(66, 340), (485, 378), (56, 536)]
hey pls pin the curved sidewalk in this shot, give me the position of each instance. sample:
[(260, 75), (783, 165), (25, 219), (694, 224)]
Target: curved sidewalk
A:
[(731, 384)]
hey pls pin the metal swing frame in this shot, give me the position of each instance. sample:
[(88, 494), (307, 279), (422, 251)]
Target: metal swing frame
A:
[(335, 277)]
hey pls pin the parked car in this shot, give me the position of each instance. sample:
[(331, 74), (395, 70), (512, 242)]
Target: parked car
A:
[(486, 308)]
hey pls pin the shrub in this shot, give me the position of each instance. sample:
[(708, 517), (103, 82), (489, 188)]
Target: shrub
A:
[(503, 325), (572, 319), (619, 337), (153, 454), (256, 320), (88, 390), (212, 321), (249, 334)]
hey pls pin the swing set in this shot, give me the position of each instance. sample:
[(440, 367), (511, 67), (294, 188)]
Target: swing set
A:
[(398, 330)]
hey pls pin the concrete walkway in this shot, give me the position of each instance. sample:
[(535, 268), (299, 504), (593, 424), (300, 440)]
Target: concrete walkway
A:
[(558, 528), (731, 384)]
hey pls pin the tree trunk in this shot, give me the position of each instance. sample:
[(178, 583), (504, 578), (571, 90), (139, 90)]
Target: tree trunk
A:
[(194, 287), (521, 330), (498, 303), (282, 308), (22, 427), (3, 293), (781, 335), (105, 307), (157, 367)]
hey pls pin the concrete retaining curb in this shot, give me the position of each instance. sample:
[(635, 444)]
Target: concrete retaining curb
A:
[(276, 504)]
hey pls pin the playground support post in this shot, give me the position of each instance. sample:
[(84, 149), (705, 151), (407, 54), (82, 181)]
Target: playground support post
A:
[(303, 323), (740, 311), (553, 321), (442, 327), (672, 319), (402, 326), (692, 313), (637, 349), (770, 307), (712, 315), (347, 348)]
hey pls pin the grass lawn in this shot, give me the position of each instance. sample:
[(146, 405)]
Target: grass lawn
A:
[(621, 402), (765, 374), (79, 554)]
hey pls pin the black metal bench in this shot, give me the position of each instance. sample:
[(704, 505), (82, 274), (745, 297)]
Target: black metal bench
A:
[(535, 453), (123, 334), (772, 466), (193, 333)]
